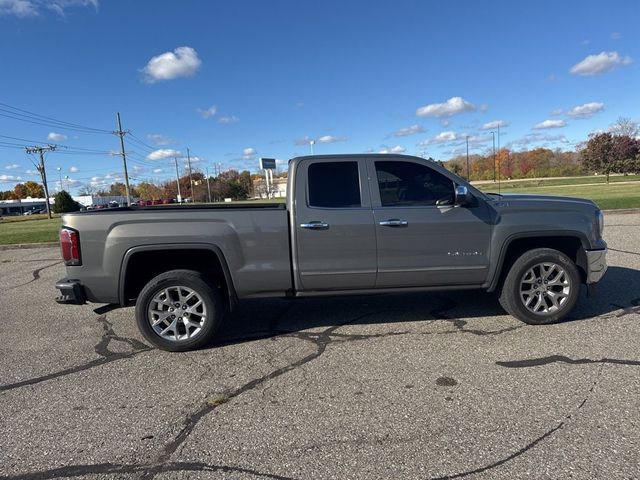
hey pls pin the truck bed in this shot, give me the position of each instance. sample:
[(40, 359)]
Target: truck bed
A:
[(253, 240)]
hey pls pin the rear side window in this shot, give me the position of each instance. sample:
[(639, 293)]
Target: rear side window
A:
[(334, 185), (412, 184)]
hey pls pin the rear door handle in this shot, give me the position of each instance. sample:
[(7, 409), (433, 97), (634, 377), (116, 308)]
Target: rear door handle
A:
[(315, 225), (393, 222)]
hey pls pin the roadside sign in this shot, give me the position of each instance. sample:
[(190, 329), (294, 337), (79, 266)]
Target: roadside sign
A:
[(268, 163)]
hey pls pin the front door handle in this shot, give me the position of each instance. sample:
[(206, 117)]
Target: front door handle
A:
[(315, 225), (393, 222)]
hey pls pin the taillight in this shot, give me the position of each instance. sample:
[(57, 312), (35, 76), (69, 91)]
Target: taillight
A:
[(70, 246)]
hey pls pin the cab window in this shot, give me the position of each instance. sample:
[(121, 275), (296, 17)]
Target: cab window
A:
[(334, 185), (412, 184)]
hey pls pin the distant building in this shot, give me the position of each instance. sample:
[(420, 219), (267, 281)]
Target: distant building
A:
[(20, 207), (278, 189), (36, 205)]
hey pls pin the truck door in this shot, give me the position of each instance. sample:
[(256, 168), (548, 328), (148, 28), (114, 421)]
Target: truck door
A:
[(334, 234), (423, 239)]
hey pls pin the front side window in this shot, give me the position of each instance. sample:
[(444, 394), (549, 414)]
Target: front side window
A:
[(334, 185), (412, 184)]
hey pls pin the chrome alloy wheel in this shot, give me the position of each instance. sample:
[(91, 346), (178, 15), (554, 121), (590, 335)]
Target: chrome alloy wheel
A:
[(544, 288), (177, 313)]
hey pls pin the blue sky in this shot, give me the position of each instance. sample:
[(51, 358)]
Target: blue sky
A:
[(238, 80)]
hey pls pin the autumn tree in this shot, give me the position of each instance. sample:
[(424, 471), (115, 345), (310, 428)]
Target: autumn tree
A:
[(149, 191), (598, 155), (19, 191), (34, 189)]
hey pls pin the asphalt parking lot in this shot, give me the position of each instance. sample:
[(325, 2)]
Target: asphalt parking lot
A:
[(439, 385)]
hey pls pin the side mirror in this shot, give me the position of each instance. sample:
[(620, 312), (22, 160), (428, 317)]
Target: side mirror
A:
[(462, 195)]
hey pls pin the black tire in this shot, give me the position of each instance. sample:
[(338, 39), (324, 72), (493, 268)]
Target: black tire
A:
[(213, 305), (513, 301)]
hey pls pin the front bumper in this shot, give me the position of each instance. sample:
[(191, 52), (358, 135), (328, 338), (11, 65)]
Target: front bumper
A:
[(596, 265), (71, 292)]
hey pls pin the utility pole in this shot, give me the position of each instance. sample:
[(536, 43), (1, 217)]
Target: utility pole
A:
[(190, 175), (120, 133), (208, 185), (468, 177), (494, 155), (498, 158), (43, 172), (178, 180)]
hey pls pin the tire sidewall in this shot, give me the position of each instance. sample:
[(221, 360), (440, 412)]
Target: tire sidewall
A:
[(190, 279), (514, 279)]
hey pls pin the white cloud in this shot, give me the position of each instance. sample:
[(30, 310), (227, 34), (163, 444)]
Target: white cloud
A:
[(445, 122), (9, 178), (396, 149), (451, 107), (302, 140), (182, 62), (556, 112), (227, 119), (600, 63), (138, 168), (410, 130), (331, 139), (31, 172), (56, 137), (208, 112), (550, 124), (538, 138), (494, 125), (32, 8), (616, 35), (442, 137), (13, 166), (163, 153), (18, 8), (159, 139), (158, 170), (249, 153), (586, 110), (74, 169)]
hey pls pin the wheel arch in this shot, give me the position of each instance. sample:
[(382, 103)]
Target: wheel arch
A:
[(571, 243), (212, 262)]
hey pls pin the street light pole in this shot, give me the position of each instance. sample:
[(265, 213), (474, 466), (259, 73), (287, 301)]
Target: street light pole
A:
[(59, 175), (311, 144), (178, 180), (468, 176)]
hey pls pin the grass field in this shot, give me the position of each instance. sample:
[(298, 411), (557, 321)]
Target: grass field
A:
[(616, 195), (28, 230), (622, 192)]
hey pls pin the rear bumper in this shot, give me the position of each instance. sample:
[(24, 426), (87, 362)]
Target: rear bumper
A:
[(71, 292), (596, 265)]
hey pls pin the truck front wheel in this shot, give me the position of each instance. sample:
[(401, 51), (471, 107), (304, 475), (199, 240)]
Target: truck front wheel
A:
[(179, 311), (542, 287)]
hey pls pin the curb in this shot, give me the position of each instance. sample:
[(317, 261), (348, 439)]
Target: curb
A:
[(623, 210), (21, 246)]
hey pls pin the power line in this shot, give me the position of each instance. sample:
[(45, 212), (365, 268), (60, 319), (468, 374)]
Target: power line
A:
[(51, 120)]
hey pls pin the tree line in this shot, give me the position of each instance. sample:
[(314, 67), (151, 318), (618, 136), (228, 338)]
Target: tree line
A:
[(616, 151)]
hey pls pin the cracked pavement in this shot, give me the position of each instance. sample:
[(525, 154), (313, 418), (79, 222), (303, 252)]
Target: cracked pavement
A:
[(421, 385)]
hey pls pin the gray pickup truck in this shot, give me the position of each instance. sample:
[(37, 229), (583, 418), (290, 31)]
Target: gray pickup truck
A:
[(352, 224)]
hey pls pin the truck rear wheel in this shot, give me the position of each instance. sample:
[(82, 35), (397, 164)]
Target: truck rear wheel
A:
[(179, 311), (542, 287)]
